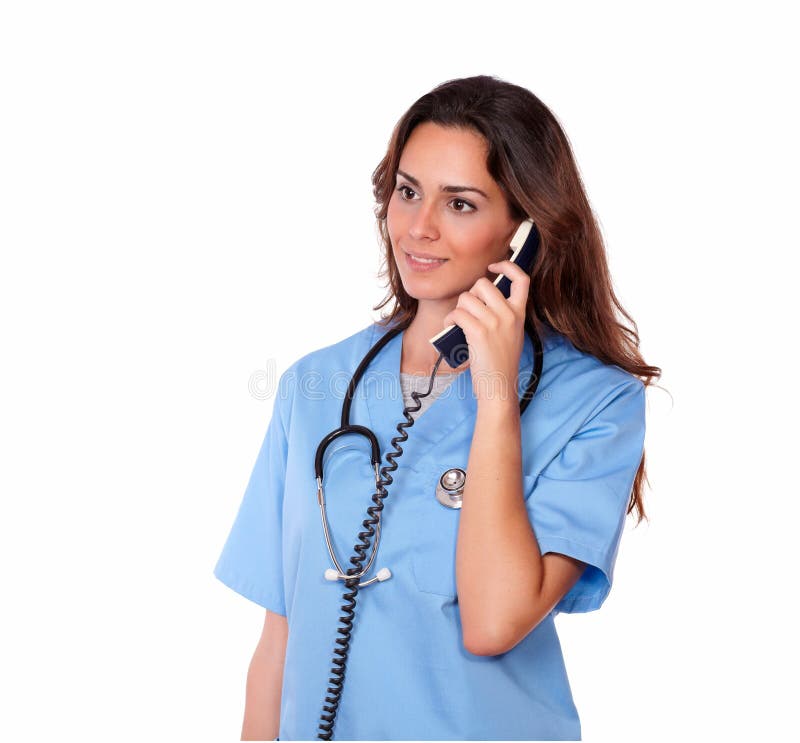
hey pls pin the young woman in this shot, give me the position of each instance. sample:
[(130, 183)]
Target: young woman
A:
[(498, 513)]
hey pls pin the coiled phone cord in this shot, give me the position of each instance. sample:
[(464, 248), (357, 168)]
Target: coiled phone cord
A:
[(336, 681), (338, 670)]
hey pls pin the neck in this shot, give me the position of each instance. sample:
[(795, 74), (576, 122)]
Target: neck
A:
[(418, 355)]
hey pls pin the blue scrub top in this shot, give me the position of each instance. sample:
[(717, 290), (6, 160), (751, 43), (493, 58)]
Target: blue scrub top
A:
[(408, 675)]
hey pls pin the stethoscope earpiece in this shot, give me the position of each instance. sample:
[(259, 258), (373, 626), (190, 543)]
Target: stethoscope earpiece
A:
[(382, 575)]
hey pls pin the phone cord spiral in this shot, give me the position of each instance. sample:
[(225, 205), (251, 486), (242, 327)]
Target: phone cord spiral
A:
[(336, 681)]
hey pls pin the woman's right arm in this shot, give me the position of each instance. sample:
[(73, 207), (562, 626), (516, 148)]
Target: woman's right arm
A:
[(262, 712)]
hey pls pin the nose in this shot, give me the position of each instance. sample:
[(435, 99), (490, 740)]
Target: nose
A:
[(423, 223)]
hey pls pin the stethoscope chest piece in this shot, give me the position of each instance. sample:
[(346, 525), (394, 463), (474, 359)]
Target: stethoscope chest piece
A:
[(450, 488)]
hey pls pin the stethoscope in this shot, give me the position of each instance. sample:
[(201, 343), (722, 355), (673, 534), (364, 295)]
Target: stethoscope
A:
[(450, 486)]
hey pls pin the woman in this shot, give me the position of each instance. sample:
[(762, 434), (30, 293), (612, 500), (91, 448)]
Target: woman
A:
[(460, 641)]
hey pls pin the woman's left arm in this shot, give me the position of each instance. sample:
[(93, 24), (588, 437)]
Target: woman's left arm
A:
[(505, 586)]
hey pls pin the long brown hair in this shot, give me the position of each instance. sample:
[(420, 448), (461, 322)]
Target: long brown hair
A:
[(530, 158)]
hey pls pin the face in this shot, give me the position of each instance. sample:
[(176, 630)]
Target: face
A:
[(446, 206)]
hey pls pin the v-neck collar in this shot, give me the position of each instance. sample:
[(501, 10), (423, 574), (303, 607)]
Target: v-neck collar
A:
[(454, 409)]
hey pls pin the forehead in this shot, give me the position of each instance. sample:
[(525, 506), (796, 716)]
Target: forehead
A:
[(446, 155)]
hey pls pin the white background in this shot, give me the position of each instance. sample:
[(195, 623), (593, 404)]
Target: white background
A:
[(185, 202)]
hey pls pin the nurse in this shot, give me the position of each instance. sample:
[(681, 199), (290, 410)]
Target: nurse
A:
[(460, 642)]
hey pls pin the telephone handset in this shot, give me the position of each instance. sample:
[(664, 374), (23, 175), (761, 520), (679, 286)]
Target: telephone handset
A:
[(451, 341)]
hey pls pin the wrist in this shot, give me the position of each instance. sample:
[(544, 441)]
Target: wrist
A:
[(502, 408)]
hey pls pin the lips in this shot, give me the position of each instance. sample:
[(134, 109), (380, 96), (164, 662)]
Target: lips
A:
[(420, 264), (424, 255)]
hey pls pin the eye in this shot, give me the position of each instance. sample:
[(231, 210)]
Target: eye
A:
[(402, 189), (461, 201)]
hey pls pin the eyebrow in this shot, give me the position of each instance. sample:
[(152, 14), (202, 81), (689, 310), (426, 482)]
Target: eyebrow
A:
[(445, 189)]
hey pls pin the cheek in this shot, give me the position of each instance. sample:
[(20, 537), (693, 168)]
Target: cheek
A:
[(396, 224), (395, 211), (475, 242), (391, 219)]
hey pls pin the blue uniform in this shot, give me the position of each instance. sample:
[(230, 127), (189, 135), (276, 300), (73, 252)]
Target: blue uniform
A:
[(408, 674)]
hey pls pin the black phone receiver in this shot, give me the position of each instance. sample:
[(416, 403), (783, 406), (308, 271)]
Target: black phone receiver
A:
[(451, 341)]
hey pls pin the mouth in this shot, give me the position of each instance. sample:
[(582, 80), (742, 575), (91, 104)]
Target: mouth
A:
[(423, 261)]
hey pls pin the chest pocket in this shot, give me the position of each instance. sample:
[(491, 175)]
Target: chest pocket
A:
[(433, 548)]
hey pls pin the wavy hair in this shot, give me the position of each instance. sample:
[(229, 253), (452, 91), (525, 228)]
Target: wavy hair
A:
[(530, 158)]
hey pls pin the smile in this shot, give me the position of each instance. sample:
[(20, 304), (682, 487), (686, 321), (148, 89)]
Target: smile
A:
[(418, 263)]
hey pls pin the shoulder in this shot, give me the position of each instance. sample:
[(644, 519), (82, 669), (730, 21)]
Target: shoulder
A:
[(581, 405), (318, 368), (580, 382), (337, 356)]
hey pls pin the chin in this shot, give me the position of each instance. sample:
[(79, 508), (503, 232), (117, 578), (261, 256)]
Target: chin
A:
[(429, 293), (422, 295)]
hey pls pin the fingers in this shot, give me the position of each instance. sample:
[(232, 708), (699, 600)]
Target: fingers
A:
[(484, 305), (520, 282), (472, 311), (470, 324), (516, 303)]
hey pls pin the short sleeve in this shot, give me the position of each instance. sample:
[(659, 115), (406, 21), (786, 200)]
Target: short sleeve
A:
[(579, 502), (251, 559)]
